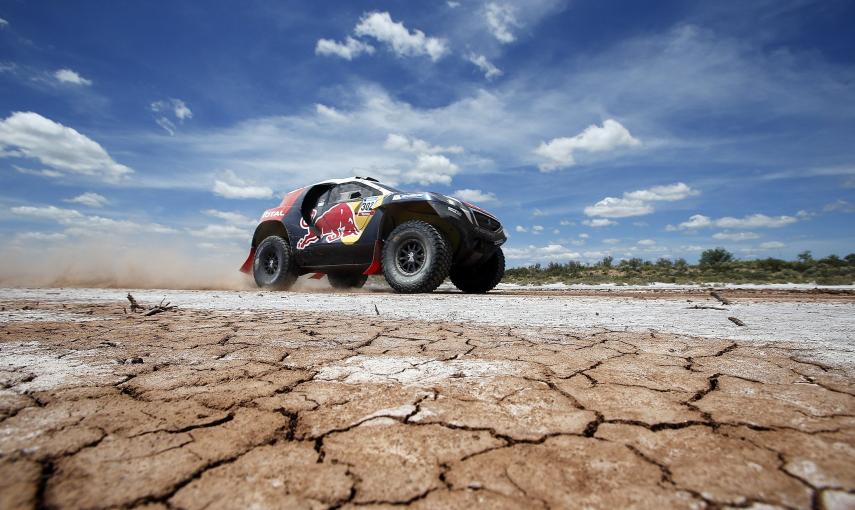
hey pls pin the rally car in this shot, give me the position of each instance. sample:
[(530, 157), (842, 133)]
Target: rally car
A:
[(355, 227)]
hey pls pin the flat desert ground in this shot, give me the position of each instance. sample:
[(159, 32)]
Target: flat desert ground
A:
[(585, 397)]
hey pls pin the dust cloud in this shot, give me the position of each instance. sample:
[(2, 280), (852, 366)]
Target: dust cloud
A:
[(123, 263)]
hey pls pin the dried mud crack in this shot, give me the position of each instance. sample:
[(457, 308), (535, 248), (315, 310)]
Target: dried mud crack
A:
[(299, 409)]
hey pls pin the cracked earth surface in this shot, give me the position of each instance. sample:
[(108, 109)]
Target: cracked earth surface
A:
[(297, 409)]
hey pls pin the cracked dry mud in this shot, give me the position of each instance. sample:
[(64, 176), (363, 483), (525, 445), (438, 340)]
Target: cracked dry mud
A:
[(208, 409)]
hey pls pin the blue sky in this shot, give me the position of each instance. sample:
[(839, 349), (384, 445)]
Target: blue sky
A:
[(589, 127)]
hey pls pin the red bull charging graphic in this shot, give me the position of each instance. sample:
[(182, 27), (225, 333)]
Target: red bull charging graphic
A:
[(332, 225)]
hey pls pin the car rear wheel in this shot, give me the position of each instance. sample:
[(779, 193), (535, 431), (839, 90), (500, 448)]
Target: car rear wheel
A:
[(347, 280), (416, 257), (273, 265), (480, 278)]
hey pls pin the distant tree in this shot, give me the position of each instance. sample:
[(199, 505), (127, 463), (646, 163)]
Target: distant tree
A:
[(681, 265), (833, 261), (664, 263), (608, 260), (850, 259), (715, 257), (805, 257), (771, 264)]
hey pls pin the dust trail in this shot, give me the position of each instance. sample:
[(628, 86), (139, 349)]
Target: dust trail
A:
[(122, 263), (139, 263)]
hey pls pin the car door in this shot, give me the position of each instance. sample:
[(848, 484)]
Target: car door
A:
[(337, 227)]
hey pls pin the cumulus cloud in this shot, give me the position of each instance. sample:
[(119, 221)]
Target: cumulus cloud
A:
[(480, 61), (646, 242), (559, 151), (536, 229), (771, 245), (3, 23), (735, 236), (521, 229), (89, 199), (474, 195), (231, 186), (639, 202), (61, 148), (347, 50), (431, 169), (611, 240), (71, 77), (397, 142), (79, 224), (699, 221), (501, 20), (402, 41), (598, 222)]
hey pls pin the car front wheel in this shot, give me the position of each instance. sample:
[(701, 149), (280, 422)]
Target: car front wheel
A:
[(273, 265), (416, 258), (482, 277)]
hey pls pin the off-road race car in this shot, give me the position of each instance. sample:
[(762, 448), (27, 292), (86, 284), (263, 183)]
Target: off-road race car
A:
[(355, 227)]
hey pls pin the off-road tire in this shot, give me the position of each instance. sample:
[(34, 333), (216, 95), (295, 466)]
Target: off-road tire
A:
[(482, 277), (435, 264), (347, 280), (273, 265)]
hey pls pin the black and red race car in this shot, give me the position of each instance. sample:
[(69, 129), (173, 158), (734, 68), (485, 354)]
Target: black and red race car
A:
[(351, 228)]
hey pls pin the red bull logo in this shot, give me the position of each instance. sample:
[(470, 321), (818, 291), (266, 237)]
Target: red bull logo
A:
[(335, 223)]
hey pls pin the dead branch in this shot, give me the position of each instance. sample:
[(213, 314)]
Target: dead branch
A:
[(134, 305), (736, 321), (718, 296), (704, 307)]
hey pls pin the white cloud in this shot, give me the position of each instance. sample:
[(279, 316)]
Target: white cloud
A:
[(231, 186), (646, 242), (234, 218), (611, 207), (490, 71), (537, 212), (40, 236), (179, 110), (3, 23), (452, 4), (520, 228), (840, 205), (72, 77), (403, 42), (474, 195), (348, 50), (559, 151), (567, 223), (584, 235), (735, 236), (668, 193), (695, 222), (611, 240), (638, 203), (771, 245), (699, 221), (500, 20), (537, 229), (431, 169), (598, 222), (80, 224), (329, 112), (89, 199), (64, 150), (177, 107), (221, 232), (532, 253), (402, 143)]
